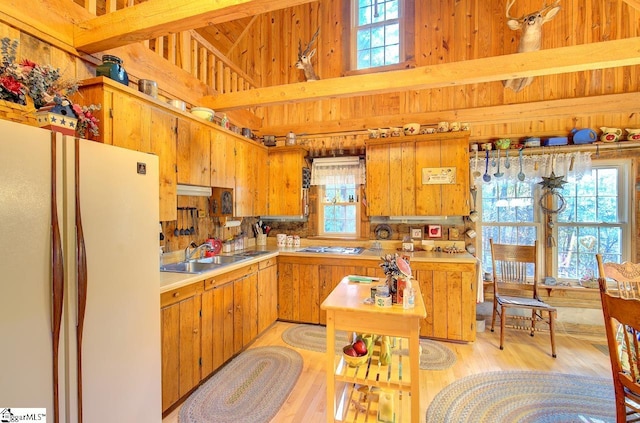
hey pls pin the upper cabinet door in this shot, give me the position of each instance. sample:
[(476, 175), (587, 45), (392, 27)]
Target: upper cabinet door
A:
[(193, 153), (223, 160), (285, 181), (131, 123), (163, 144)]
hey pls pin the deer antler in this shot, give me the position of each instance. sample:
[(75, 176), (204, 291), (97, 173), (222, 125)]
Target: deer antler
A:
[(509, 5), (546, 8), (306, 50)]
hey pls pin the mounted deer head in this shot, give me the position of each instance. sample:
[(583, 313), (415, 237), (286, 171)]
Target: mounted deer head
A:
[(304, 59), (531, 40)]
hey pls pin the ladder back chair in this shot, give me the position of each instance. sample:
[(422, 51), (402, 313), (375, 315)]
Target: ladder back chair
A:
[(626, 276), (511, 266), (622, 325)]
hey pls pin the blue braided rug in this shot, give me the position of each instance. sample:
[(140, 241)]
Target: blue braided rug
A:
[(525, 397), (251, 388)]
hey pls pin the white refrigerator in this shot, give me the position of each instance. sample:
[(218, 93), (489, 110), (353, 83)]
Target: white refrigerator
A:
[(115, 310)]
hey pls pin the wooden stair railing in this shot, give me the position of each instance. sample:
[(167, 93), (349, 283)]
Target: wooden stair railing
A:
[(187, 50)]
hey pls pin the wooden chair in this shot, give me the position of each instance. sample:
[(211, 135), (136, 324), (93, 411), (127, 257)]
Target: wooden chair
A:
[(626, 275), (622, 325), (510, 264)]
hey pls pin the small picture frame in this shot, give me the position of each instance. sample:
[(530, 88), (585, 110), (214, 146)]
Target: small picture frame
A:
[(434, 231), (416, 233)]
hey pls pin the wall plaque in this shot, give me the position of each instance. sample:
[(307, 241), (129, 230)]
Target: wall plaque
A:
[(438, 175)]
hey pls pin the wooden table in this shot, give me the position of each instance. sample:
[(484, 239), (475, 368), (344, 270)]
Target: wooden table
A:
[(347, 311)]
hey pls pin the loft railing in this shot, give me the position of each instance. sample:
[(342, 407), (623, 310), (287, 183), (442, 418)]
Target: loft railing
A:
[(188, 50)]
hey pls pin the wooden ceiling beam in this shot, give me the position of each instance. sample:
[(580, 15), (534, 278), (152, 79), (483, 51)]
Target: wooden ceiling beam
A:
[(508, 113), (633, 3), (602, 55), (154, 18)]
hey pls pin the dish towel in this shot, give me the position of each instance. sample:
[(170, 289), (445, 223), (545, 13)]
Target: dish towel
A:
[(479, 284)]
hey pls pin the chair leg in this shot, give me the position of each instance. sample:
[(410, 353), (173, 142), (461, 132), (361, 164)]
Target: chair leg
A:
[(493, 315), (503, 317), (533, 322), (552, 318)]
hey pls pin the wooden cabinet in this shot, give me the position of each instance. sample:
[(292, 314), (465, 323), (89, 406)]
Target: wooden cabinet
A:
[(251, 183), (443, 199), (132, 120), (163, 145), (305, 282), (449, 294), (245, 313), (223, 160), (395, 185), (267, 294), (448, 289), (194, 151), (298, 289), (391, 179), (285, 181), (180, 334), (206, 323)]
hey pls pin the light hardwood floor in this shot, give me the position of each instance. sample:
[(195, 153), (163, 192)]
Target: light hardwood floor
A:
[(576, 355)]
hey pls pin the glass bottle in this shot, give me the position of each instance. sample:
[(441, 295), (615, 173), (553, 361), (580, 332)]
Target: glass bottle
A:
[(111, 67)]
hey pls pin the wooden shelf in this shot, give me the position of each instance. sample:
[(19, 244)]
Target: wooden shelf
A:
[(396, 375), (361, 405)]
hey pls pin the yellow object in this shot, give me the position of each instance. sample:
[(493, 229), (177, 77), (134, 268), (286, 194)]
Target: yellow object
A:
[(385, 351), (386, 412)]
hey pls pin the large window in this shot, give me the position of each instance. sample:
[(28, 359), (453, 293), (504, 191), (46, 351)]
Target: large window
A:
[(339, 180), (339, 210), (587, 217), (378, 33), (592, 222)]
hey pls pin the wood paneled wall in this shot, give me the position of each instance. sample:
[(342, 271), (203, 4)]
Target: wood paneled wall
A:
[(446, 31)]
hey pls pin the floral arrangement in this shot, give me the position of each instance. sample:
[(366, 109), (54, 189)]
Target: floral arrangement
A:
[(390, 266), (42, 84)]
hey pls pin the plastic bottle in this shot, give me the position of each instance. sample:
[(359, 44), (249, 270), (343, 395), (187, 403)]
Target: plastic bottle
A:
[(408, 296)]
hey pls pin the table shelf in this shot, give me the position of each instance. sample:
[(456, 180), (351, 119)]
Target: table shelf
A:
[(359, 404), (395, 375)]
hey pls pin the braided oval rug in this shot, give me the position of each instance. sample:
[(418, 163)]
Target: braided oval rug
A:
[(251, 388), (524, 397), (435, 356)]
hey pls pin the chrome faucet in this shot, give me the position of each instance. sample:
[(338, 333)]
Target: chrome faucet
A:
[(188, 255)]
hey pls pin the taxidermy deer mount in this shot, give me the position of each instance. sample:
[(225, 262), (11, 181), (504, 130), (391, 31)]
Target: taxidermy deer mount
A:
[(304, 59), (531, 39)]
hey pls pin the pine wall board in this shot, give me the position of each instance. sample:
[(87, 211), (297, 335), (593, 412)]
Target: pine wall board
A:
[(445, 32)]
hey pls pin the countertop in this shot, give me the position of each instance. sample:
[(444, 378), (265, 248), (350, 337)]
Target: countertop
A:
[(169, 280)]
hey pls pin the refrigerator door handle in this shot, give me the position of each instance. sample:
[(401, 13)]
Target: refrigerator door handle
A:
[(57, 279), (81, 263)]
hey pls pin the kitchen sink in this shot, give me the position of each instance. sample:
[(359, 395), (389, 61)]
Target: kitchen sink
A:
[(249, 254), (332, 250), (209, 263), (189, 267)]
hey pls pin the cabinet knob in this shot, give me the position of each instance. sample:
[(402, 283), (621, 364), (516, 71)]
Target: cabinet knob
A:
[(176, 294), (195, 331)]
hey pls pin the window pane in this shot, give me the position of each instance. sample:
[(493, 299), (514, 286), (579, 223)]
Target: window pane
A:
[(364, 16), (392, 54), (391, 34), (377, 37), (391, 9), (377, 56)]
